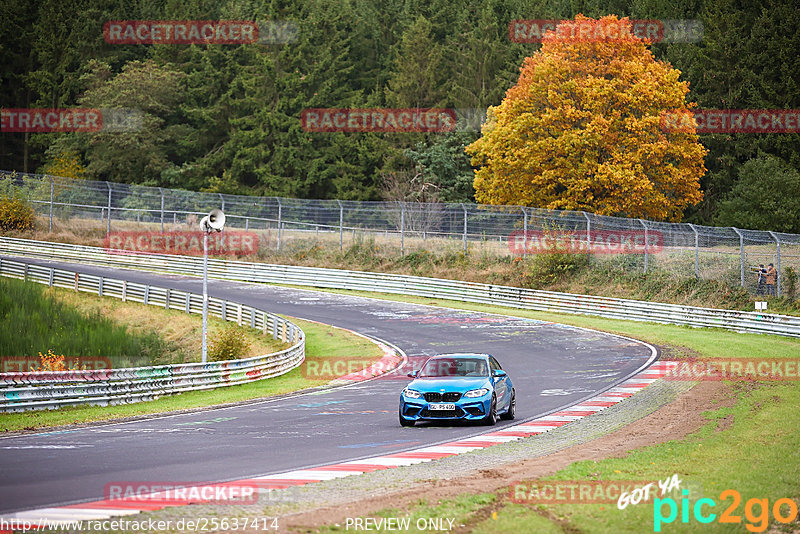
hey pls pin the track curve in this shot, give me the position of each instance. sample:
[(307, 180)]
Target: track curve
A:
[(552, 366)]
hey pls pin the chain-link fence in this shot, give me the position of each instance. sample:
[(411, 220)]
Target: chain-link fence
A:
[(720, 253)]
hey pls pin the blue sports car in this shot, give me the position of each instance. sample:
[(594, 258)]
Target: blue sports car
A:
[(465, 387)]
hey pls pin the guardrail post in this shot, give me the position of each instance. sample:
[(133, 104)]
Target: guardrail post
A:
[(645, 244), (221, 201), (280, 222), (224, 310), (52, 196), (402, 228), (741, 253), (124, 290), (777, 264), (524, 230), (108, 226), (341, 223), (465, 227), (696, 251), (146, 299), (100, 287), (162, 209), (50, 277)]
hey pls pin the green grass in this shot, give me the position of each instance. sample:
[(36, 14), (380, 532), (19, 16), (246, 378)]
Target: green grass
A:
[(755, 455), (32, 321), (322, 342)]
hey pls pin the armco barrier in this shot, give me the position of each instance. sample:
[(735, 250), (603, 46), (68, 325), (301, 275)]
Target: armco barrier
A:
[(515, 297), (22, 391)]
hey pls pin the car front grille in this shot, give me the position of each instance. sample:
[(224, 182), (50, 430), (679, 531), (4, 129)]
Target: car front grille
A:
[(450, 396), (444, 414)]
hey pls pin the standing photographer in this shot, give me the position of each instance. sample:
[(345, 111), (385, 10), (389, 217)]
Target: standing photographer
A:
[(771, 276)]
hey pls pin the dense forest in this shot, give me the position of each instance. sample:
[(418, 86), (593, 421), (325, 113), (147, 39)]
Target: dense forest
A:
[(226, 117)]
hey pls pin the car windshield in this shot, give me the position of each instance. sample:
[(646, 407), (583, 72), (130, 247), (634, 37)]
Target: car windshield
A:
[(445, 367)]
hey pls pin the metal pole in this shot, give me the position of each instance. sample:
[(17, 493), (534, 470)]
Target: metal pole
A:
[(402, 228), (221, 201), (741, 254), (108, 226), (525, 231), (280, 223), (205, 296), (162, 209), (778, 263), (588, 233), (51, 203), (696, 251), (465, 227), (645, 243), (341, 223)]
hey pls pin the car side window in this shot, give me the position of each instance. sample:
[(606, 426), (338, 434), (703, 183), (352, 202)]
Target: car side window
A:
[(493, 364)]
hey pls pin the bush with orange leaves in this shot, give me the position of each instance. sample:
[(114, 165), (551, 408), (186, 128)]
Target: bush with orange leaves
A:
[(55, 362)]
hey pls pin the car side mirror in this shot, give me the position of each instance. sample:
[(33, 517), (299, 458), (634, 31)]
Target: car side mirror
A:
[(499, 373), (413, 374)]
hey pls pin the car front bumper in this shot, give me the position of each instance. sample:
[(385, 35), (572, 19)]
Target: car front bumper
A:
[(467, 409)]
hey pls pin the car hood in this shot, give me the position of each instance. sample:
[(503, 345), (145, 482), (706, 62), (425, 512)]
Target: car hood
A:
[(424, 385)]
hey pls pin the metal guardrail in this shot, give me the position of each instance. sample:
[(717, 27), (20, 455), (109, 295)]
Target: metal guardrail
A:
[(529, 299), (20, 391), (710, 251)]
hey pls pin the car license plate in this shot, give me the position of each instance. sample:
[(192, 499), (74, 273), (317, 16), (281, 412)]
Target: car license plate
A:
[(441, 406)]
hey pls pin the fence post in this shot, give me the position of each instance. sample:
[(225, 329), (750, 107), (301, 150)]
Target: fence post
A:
[(778, 263), (465, 227), (221, 202), (341, 222), (108, 226), (696, 251), (280, 222), (52, 187), (645, 243), (588, 234), (402, 228), (524, 231), (741, 253), (162, 209)]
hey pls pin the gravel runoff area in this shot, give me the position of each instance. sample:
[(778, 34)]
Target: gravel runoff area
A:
[(295, 501)]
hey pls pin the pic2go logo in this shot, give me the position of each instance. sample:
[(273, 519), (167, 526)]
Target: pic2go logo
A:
[(758, 521)]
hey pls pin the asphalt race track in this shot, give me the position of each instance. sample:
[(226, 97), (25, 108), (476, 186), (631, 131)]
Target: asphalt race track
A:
[(552, 366)]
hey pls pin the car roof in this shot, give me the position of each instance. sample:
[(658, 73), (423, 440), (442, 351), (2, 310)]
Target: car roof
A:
[(462, 355)]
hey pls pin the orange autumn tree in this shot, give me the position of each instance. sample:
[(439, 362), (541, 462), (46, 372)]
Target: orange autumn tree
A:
[(581, 130)]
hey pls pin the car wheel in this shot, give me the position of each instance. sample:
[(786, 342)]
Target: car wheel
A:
[(403, 420), (512, 407), (491, 417)]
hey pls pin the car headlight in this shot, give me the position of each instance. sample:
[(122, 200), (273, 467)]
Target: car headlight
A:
[(411, 394), (476, 393)]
